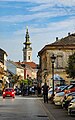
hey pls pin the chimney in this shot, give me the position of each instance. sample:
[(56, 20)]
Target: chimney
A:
[(56, 38), (69, 34)]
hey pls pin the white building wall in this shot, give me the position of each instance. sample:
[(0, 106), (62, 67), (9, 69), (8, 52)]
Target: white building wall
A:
[(29, 53), (15, 70), (20, 72), (5, 60)]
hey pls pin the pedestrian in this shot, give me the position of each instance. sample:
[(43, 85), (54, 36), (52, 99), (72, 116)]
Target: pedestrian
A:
[(45, 92)]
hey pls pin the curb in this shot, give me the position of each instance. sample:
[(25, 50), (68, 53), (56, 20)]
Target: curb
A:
[(51, 117)]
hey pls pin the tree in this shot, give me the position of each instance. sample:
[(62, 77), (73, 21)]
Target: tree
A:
[(70, 69), (15, 79)]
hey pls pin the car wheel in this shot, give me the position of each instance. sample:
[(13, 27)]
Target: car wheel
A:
[(3, 97)]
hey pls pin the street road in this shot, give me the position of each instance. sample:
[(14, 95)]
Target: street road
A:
[(22, 108), (31, 108)]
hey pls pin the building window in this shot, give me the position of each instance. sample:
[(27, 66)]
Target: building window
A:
[(28, 57), (24, 57), (59, 63)]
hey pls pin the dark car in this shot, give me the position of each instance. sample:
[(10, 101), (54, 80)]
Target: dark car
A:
[(67, 98), (8, 92), (32, 90), (18, 91)]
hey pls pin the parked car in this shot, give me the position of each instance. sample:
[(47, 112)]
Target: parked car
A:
[(61, 88), (71, 107), (71, 88), (58, 97), (18, 91), (32, 90), (66, 99), (56, 90), (8, 92), (50, 93)]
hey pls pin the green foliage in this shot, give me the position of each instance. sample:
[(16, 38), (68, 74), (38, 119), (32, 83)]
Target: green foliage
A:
[(15, 79), (70, 69), (26, 82)]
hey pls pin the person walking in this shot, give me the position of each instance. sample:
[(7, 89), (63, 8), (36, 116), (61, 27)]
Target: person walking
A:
[(45, 92)]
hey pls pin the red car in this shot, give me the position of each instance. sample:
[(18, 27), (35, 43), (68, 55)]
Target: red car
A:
[(71, 88), (8, 92)]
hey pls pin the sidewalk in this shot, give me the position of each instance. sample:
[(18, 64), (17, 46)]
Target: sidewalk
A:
[(56, 112), (48, 107)]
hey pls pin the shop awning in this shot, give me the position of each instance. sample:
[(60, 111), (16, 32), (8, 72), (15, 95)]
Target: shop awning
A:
[(57, 77)]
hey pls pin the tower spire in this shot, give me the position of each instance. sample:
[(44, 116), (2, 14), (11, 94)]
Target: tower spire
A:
[(26, 28), (27, 50), (27, 42)]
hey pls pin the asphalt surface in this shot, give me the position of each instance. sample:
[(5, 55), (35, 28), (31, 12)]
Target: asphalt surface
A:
[(31, 108), (22, 108)]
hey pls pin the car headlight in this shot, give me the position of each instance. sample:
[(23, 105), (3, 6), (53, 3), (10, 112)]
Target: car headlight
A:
[(69, 98), (13, 92), (3, 92), (71, 103)]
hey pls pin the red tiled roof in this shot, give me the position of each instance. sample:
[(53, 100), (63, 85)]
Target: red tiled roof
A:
[(18, 63), (31, 64)]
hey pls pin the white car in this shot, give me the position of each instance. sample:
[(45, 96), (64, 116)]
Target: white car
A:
[(49, 94), (58, 97), (71, 107)]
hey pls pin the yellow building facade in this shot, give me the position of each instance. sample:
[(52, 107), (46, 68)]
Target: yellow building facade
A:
[(61, 48)]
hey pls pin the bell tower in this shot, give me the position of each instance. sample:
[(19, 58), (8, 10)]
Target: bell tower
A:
[(27, 49)]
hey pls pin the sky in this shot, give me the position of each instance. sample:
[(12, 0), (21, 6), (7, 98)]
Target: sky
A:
[(46, 20)]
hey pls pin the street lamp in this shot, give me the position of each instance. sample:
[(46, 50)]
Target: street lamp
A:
[(53, 60), (28, 83)]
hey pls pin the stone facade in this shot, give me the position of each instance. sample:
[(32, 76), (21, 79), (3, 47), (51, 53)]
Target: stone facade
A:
[(61, 49)]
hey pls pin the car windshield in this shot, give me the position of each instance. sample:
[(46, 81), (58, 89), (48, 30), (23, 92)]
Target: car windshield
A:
[(8, 90), (60, 94), (70, 86), (63, 88), (73, 100)]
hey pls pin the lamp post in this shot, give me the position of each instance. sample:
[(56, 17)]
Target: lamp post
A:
[(28, 83), (53, 60)]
